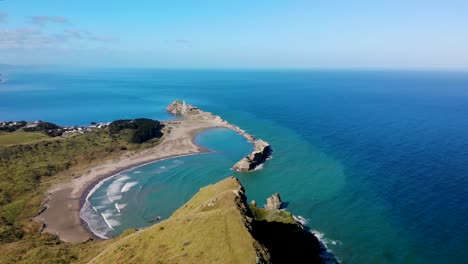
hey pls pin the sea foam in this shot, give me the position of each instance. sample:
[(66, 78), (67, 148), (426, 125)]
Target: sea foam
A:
[(127, 186), (114, 189), (327, 255), (94, 220)]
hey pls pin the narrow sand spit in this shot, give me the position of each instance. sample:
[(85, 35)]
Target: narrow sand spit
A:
[(62, 216)]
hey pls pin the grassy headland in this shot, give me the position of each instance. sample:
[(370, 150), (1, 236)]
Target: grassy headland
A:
[(30, 162), (217, 226)]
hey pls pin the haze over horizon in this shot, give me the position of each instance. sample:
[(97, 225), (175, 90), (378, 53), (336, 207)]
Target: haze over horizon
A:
[(244, 34)]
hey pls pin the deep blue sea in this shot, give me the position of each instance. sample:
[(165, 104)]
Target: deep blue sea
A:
[(377, 161)]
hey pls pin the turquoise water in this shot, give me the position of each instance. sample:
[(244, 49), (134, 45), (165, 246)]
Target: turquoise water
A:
[(377, 161), (135, 197)]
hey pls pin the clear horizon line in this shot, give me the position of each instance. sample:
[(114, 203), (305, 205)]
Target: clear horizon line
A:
[(311, 68)]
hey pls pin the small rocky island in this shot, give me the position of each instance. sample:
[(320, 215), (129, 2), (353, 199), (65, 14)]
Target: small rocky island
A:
[(262, 149)]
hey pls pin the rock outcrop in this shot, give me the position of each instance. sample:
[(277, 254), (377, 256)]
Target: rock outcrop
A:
[(274, 202), (181, 108), (262, 151)]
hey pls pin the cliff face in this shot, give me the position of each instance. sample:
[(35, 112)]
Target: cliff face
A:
[(258, 156), (217, 226)]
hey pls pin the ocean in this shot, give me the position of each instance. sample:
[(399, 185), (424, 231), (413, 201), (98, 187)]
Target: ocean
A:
[(376, 161)]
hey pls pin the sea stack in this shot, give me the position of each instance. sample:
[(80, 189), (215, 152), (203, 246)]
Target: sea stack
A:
[(262, 151), (274, 202), (181, 108)]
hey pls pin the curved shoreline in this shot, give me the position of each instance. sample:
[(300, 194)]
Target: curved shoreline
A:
[(90, 189), (63, 207), (64, 203)]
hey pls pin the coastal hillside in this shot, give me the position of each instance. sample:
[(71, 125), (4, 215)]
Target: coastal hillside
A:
[(218, 226), (40, 224), (37, 155)]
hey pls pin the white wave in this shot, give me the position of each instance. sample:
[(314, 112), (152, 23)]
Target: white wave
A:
[(163, 167), (113, 198), (99, 207), (113, 191), (318, 234), (97, 186), (119, 206), (137, 172), (123, 178), (94, 220), (303, 221), (326, 241), (327, 255), (91, 216), (127, 186), (109, 212), (111, 194), (259, 167), (107, 222), (113, 222)]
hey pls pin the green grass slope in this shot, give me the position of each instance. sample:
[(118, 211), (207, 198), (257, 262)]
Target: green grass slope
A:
[(30, 162), (21, 137), (211, 228)]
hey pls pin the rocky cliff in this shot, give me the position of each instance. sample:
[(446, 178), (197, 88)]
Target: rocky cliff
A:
[(262, 151), (274, 202), (181, 108), (217, 226)]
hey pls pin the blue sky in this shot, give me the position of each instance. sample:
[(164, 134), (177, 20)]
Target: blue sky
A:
[(236, 34)]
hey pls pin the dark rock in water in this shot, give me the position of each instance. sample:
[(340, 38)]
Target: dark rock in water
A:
[(154, 219), (274, 202)]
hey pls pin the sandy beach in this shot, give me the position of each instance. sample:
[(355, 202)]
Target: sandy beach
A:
[(62, 216)]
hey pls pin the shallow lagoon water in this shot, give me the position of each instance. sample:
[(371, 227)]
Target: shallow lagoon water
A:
[(135, 197)]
